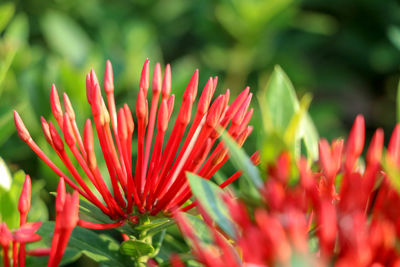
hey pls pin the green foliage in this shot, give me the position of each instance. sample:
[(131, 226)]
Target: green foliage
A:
[(393, 172), (242, 162), (66, 37), (99, 247), (286, 121), (209, 196), (327, 50), (6, 12), (9, 197), (136, 248)]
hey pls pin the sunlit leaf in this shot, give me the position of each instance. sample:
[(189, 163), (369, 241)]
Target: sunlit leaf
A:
[(280, 101), (393, 172), (287, 119)]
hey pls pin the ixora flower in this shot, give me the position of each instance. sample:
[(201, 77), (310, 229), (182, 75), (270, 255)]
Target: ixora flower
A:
[(157, 182), (67, 208), (355, 220)]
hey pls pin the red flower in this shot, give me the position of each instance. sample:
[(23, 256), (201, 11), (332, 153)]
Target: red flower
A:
[(157, 183), (356, 219), (67, 208), (5, 240)]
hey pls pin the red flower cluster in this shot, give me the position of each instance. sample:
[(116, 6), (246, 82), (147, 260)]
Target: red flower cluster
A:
[(351, 210), (67, 207), (157, 183)]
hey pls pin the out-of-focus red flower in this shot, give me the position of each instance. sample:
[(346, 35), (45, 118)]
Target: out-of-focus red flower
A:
[(351, 210), (67, 207), (156, 182)]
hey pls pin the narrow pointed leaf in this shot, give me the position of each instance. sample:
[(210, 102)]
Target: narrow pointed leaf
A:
[(208, 194), (241, 161)]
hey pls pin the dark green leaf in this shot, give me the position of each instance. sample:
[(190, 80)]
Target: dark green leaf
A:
[(157, 241), (202, 231), (242, 161), (98, 247), (209, 196), (93, 212)]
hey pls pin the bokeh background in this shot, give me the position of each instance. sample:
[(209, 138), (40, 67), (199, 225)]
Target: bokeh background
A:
[(346, 53)]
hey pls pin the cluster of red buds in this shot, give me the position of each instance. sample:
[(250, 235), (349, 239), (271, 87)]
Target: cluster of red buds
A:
[(157, 182), (350, 209), (67, 207)]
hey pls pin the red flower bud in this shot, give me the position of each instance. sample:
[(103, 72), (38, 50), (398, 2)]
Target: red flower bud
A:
[(21, 129), (24, 203), (144, 78), (108, 78), (166, 85)]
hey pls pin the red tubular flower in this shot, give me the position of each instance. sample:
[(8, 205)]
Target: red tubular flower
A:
[(24, 204), (5, 240), (67, 209), (157, 182)]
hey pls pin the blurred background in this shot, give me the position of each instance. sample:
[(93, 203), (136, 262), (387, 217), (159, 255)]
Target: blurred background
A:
[(346, 53)]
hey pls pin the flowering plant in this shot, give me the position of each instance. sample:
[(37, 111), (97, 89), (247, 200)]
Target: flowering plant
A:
[(317, 204)]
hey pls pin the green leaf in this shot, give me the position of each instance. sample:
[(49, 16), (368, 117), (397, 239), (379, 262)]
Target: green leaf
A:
[(88, 209), (70, 255), (209, 196), (287, 119), (310, 137), (393, 172), (6, 12), (9, 201), (157, 242), (302, 127), (279, 102), (241, 161), (291, 131), (94, 214), (202, 231), (98, 247), (136, 248), (39, 210), (65, 36), (152, 224)]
